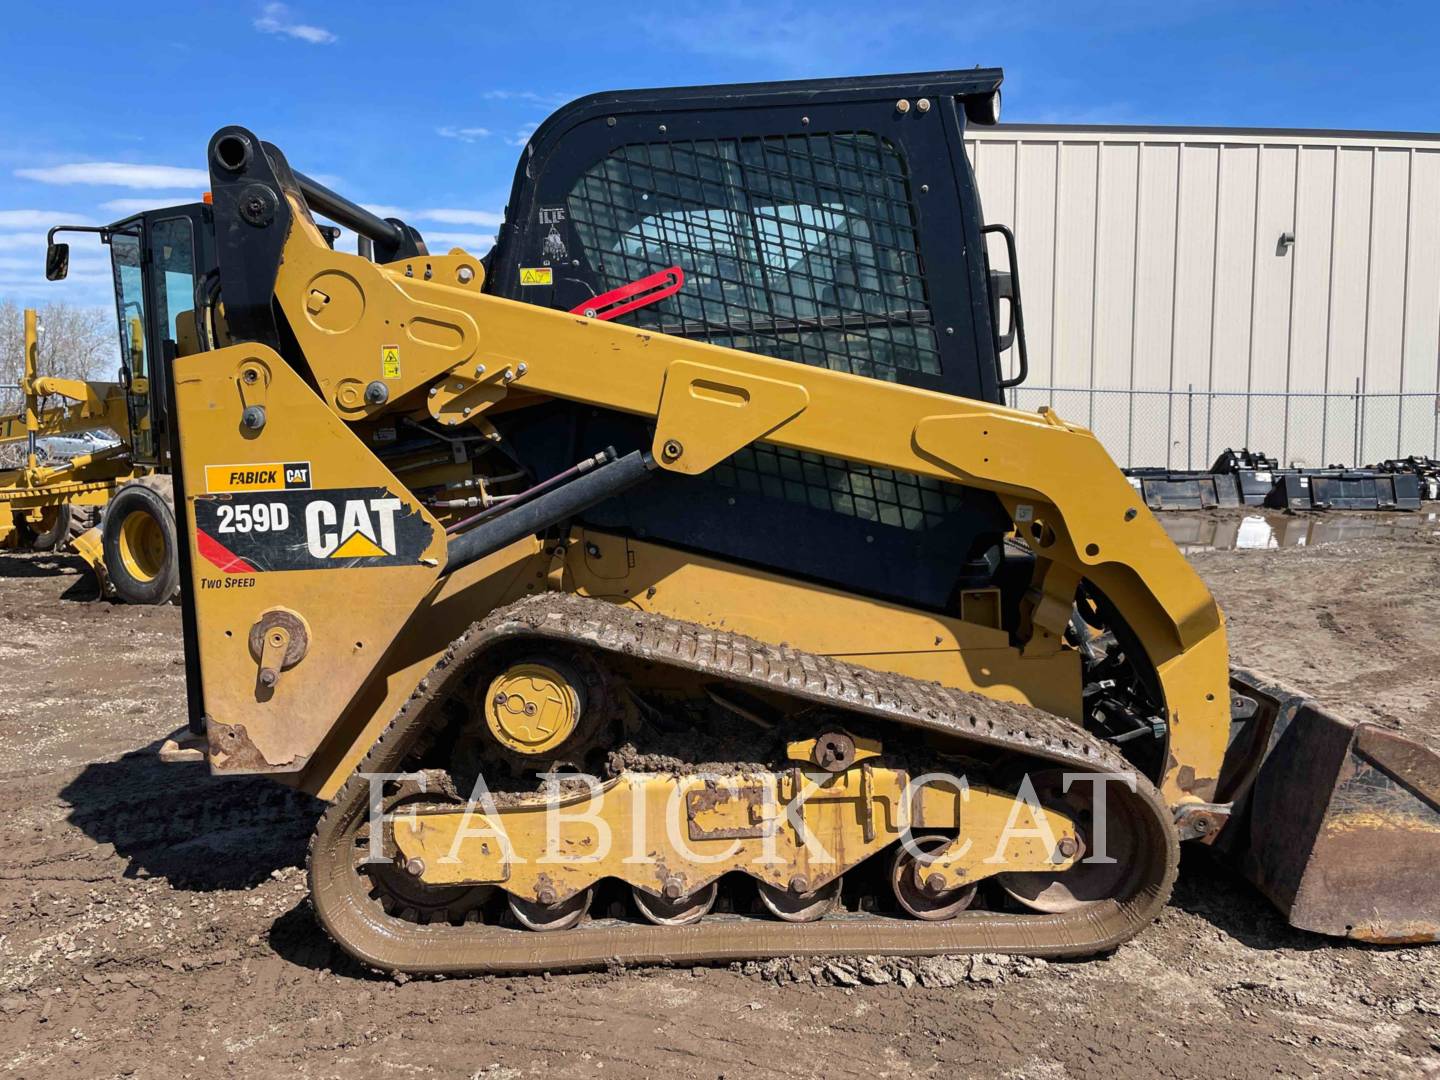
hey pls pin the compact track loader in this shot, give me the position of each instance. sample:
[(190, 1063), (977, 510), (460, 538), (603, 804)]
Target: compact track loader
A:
[(673, 584)]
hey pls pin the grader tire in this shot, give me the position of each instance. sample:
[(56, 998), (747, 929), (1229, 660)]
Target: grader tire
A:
[(54, 535), (139, 537), (82, 520)]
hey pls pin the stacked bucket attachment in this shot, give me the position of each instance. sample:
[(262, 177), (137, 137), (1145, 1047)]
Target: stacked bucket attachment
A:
[(1247, 478)]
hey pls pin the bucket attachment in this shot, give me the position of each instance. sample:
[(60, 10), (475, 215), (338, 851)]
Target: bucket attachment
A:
[(1338, 823)]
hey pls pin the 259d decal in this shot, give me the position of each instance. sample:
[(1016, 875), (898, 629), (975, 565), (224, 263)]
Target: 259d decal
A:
[(342, 528)]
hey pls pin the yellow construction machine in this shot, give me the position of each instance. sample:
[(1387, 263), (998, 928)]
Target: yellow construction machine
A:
[(119, 482), (673, 584)]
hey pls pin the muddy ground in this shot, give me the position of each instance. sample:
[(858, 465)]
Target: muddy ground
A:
[(153, 923)]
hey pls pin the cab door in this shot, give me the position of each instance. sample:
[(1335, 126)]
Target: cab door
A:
[(175, 326), (155, 276), (127, 259)]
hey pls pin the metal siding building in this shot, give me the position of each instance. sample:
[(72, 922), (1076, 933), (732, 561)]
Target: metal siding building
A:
[(1152, 259)]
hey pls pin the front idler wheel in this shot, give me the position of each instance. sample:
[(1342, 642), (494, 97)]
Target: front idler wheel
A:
[(1089, 880), (402, 895)]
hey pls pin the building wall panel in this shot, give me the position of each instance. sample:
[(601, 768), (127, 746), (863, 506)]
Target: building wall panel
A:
[(1151, 259), (1034, 227), (1076, 206), (1273, 270), (1309, 338)]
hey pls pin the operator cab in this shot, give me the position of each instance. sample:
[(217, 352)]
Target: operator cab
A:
[(834, 223)]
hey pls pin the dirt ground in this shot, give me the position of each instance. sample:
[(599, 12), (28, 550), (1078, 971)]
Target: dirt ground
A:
[(154, 923)]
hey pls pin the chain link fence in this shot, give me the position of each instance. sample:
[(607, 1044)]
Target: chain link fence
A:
[(1188, 428)]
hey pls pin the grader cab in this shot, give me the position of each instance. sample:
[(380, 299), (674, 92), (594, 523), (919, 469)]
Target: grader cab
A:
[(113, 505)]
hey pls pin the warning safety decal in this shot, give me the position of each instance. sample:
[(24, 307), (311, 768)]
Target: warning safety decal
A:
[(338, 529), (536, 275), (390, 361)]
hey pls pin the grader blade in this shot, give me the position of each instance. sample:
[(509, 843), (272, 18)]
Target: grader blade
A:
[(1339, 825), (90, 547)]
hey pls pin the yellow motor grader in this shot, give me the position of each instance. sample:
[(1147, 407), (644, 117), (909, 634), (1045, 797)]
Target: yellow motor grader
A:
[(110, 500), (673, 583)]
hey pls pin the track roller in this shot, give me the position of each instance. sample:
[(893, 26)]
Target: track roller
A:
[(796, 905), (908, 881), (677, 911), (560, 915)]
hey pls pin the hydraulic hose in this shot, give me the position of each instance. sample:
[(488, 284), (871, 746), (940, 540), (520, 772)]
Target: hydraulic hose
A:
[(549, 509)]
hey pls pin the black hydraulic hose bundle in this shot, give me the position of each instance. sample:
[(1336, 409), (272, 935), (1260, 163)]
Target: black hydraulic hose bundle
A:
[(547, 504), (603, 458)]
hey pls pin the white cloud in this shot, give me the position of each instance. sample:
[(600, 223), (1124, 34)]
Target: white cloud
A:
[(463, 134), (276, 19), (22, 261), (22, 271), (39, 219), (126, 207), (525, 95), (523, 135), (20, 240), (475, 243), (463, 217), (442, 215), (118, 174)]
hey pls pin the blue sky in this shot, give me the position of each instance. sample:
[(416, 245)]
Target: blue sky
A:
[(423, 108)]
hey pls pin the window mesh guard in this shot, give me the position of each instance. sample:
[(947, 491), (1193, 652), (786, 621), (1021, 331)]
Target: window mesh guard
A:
[(801, 247)]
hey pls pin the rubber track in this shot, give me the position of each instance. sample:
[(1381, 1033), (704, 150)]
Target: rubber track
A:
[(359, 925)]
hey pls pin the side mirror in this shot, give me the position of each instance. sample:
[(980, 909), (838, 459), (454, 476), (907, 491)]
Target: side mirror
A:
[(57, 261)]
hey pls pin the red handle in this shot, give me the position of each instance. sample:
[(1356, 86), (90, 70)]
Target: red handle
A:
[(635, 295)]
